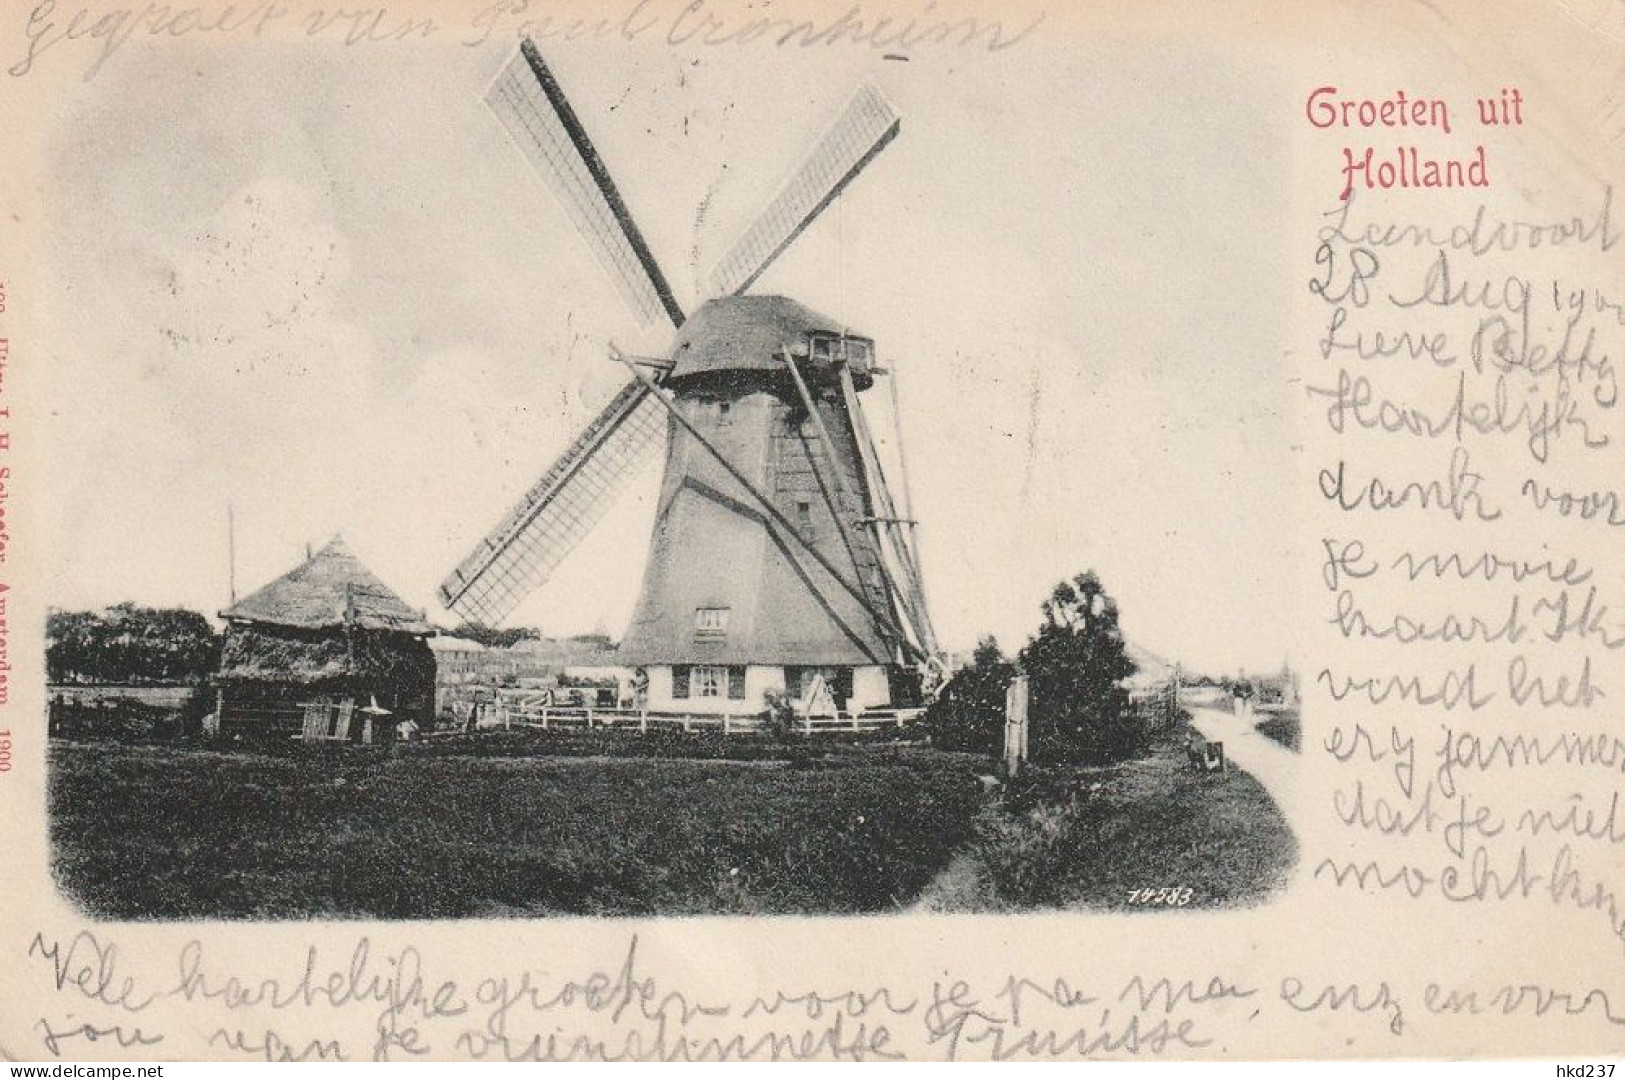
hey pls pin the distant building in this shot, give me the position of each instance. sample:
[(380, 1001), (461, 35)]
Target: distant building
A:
[(1280, 688), (461, 664), (466, 671), (1152, 673), (584, 657), (463, 660)]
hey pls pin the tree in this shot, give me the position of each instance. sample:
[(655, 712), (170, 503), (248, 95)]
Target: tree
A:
[(1076, 664), (127, 644), (493, 637), (968, 713)]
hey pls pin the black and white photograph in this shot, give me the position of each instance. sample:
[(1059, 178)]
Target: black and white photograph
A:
[(631, 486)]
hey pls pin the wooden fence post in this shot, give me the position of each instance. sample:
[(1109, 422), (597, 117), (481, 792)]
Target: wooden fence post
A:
[(1015, 725), (211, 724), (643, 722), (727, 724)]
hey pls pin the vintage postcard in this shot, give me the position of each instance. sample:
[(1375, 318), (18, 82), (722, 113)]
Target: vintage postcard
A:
[(540, 530)]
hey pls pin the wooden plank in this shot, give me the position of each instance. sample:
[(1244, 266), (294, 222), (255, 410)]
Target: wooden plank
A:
[(315, 722), (344, 714)]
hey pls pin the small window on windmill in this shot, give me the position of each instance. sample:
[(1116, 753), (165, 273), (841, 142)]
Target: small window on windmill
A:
[(857, 351), (708, 681), (724, 411), (711, 622), (804, 518), (823, 348)]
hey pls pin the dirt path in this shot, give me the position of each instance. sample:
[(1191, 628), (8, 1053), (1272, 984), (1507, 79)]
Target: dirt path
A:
[(958, 887), (1270, 763)]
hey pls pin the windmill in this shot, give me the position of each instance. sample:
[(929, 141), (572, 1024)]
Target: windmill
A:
[(779, 559)]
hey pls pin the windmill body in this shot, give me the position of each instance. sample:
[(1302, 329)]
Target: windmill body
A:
[(731, 607), (778, 561)]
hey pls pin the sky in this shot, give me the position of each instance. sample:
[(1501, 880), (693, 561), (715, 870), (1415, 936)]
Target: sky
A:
[(319, 285)]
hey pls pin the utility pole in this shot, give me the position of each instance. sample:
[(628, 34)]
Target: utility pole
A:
[(231, 553)]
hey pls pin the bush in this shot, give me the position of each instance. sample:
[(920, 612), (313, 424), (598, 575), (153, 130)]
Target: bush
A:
[(969, 712), (198, 704), (781, 725)]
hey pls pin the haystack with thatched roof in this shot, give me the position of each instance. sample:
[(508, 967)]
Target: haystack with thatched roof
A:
[(313, 650)]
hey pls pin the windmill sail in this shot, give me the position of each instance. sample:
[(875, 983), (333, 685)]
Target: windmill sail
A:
[(864, 129), (532, 106), (558, 511)]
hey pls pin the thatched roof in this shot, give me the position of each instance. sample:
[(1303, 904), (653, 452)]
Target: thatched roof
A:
[(330, 589)]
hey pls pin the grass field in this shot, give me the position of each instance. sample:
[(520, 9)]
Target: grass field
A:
[(511, 824), (1284, 728), (162, 832), (1087, 839)]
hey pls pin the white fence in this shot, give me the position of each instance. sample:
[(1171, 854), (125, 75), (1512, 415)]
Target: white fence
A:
[(534, 711)]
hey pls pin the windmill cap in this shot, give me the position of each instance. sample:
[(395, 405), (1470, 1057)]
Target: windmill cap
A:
[(749, 333)]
